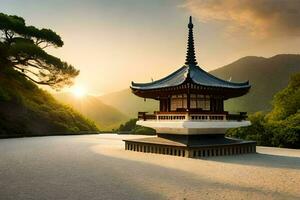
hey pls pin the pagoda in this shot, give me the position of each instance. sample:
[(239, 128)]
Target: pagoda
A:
[(191, 121)]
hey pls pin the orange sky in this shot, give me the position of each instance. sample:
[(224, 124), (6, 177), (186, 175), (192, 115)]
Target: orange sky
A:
[(115, 42)]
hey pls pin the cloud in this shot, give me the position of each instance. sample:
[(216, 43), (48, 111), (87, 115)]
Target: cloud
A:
[(258, 17)]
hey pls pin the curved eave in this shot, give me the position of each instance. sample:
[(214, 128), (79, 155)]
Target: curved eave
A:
[(174, 79), (192, 73), (144, 87), (165, 91), (247, 85), (199, 76)]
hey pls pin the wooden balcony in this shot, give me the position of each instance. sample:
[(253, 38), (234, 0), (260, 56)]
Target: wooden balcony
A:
[(192, 115)]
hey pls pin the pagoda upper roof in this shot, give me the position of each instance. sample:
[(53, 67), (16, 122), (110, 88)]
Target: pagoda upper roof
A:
[(192, 73)]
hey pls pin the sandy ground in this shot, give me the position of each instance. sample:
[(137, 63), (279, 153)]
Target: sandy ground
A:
[(97, 167)]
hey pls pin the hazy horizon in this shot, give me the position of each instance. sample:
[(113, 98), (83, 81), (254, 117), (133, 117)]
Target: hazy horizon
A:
[(107, 40)]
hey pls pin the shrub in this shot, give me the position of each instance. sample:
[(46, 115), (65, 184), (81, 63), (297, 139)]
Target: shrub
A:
[(281, 126), (131, 127)]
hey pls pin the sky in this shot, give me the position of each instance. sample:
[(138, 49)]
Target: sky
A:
[(115, 42)]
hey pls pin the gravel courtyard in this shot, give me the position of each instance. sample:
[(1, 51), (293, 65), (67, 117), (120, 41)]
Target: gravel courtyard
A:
[(97, 167)]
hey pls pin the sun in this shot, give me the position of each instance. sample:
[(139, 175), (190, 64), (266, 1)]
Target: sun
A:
[(79, 91)]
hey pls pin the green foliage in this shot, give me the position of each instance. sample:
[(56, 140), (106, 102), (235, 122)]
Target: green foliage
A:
[(281, 126), (4, 96), (128, 126), (142, 130), (22, 47), (131, 127), (287, 101), (12, 25), (26, 110), (254, 132)]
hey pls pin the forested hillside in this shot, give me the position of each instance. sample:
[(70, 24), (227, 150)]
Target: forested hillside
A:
[(281, 126), (26, 110)]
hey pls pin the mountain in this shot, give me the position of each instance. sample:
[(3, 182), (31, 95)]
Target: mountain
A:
[(106, 117), (26, 110), (266, 75), (128, 103)]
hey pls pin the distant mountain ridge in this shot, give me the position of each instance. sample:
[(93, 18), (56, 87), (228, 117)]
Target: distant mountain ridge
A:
[(105, 116), (128, 103), (266, 75)]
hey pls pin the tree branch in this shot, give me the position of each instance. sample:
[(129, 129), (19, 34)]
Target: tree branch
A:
[(35, 66), (27, 70), (38, 82), (47, 45)]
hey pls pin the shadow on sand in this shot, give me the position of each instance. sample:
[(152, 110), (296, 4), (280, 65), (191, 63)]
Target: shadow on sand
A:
[(261, 159), (187, 182)]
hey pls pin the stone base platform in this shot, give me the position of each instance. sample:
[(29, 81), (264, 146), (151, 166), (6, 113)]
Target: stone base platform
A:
[(191, 146)]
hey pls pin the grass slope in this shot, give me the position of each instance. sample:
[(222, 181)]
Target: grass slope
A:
[(106, 117), (26, 110)]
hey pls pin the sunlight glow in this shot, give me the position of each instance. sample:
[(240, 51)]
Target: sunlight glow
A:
[(79, 91)]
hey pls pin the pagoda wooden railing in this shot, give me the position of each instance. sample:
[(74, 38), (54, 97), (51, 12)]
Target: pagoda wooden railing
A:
[(197, 116)]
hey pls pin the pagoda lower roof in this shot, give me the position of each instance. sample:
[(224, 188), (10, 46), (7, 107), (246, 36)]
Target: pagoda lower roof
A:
[(191, 73)]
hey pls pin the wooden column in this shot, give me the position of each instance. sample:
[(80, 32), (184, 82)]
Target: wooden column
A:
[(161, 105), (188, 96)]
